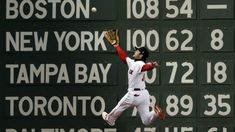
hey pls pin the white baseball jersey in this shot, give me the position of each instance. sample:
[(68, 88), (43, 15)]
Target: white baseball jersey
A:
[(135, 76)]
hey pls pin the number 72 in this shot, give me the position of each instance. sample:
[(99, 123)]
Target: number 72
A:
[(184, 78)]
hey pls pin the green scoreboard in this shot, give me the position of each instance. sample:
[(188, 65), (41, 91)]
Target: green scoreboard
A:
[(58, 73)]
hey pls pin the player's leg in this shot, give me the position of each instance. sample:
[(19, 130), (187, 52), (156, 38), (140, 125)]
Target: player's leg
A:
[(147, 116), (160, 112), (122, 105), (142, 105)]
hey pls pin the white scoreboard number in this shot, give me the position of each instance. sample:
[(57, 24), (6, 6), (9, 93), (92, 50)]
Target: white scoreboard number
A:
[(176, 72), (179, 105), (217, 42), (148, 38), (216, 39), (179, 39), (211, 105), (148, 9), (216, 105), (220, 74), (173, 10), (216, 72), (216, 128)]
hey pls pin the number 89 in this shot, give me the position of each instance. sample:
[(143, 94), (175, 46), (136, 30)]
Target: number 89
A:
[(173, 102)]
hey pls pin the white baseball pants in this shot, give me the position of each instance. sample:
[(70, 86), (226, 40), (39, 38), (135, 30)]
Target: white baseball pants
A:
[(138, 99)]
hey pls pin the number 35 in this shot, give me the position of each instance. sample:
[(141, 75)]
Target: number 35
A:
[(215, 103)]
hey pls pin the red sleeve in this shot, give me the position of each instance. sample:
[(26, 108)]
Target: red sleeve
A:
[(121, 54), (147, 67)]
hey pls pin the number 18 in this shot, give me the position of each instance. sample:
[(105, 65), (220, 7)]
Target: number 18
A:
[(220, 75)]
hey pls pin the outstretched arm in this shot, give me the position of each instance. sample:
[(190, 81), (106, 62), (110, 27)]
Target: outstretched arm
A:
[(150, 66), (121, 53)]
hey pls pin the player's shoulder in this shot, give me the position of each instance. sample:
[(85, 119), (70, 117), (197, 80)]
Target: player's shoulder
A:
[(129, 60), (138, 63), (134, 63)]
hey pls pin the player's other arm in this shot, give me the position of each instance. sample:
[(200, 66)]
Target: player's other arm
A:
[(149, 66)]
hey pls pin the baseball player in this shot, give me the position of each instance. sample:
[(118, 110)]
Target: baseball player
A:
[(137, 95)]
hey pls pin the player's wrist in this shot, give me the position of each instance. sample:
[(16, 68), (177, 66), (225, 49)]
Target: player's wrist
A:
[(115, 45), (152, 63)]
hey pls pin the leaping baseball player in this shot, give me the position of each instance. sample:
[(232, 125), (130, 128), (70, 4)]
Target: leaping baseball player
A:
[(137, 95)]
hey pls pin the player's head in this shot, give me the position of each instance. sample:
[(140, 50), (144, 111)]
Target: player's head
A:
[(141, 53)]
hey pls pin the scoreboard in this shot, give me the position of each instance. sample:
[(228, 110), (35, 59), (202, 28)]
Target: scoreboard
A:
[(58, 73)]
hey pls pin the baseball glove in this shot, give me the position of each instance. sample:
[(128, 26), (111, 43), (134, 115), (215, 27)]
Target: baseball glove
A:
[(112, 36)]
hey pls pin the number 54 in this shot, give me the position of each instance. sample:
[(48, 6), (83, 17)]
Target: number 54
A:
[(186, 8)]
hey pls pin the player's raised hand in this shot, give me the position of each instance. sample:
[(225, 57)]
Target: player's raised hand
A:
[(155, 64), (112, 37)]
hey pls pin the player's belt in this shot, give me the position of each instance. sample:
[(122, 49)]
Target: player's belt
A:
[(138, 89)]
